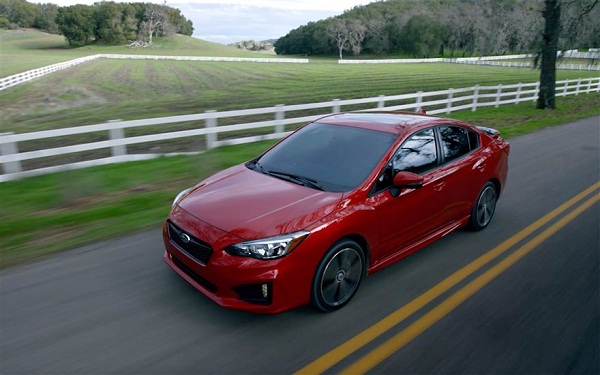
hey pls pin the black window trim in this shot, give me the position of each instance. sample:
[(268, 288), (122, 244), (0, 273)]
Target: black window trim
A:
[(373, 191), (440, 159)]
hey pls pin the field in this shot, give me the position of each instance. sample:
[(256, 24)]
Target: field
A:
[(26, 49), (51, 213)]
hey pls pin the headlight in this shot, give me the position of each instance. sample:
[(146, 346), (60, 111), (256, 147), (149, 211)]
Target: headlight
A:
[(268, 248), (180, 196)]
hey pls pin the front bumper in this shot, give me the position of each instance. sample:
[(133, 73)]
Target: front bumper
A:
[(241, 283)]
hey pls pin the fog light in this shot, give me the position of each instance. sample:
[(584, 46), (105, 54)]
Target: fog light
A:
[(260, 294)]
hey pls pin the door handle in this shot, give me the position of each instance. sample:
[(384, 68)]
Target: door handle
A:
[(480, 165), (439, 186)]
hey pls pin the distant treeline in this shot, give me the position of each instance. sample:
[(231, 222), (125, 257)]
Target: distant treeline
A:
[(104, 22), (428, 28), (253, 45)]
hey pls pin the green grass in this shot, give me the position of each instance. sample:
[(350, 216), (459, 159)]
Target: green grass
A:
[(46, 214), (122, 89), (21, 50)]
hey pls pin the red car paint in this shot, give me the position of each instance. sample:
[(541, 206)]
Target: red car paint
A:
[(241, 204)]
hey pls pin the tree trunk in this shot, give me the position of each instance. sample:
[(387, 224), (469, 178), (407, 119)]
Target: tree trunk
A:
[(546, 98)]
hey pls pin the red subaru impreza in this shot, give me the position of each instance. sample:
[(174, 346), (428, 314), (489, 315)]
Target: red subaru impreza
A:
[(338, 199)]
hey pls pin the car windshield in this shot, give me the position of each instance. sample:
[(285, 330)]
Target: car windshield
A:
[(326, 157)]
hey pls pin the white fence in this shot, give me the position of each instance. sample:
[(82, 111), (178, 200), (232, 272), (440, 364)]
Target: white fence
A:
[(35, 73), (493, 61), (483, 60), (443, 101), (513, 64)]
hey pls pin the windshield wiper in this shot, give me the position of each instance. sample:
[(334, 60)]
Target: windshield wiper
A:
[(301, 180)]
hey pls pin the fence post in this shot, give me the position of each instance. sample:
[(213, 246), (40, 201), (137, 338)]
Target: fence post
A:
[(498, 92), (10, 149), (279, 116), (578, 86), (117, 133), (381, 101), (211, 122), (419, 101), (475, 95), (518, 94), (449, 103), (537, 91), (565, 87), (336, 106)]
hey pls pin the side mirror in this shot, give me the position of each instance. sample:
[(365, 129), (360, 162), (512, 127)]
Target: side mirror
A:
[(408, 180)]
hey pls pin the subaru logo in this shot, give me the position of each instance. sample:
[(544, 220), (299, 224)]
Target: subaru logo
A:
[(185, 238)]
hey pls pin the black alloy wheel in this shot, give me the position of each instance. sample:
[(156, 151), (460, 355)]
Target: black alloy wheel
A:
[(338, 276)]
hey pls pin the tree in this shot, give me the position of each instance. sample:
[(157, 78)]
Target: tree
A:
[(154, 21), (550, 37), (376, 38), (77, 24), (547, 91), (421, 36), (20, 13), (109, 27), (46, 18), (347, 34)]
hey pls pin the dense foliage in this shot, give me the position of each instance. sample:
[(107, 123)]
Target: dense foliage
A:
[(20, 13), (104, 22), (430, 28)]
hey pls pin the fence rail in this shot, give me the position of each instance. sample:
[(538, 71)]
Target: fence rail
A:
[(35, 73), (115, 141), (493, 61)]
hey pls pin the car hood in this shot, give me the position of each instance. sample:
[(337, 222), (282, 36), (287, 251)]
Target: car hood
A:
[(252, 205)]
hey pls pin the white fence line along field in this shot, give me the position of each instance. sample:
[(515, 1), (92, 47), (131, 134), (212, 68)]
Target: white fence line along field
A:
[(506, 64), (494, 61), (35, 73), (435, 102), (483, 60)]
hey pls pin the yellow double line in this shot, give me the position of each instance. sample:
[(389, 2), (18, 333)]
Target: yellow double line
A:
[(392, 345)]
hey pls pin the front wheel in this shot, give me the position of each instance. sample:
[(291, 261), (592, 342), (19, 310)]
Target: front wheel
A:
[(338, 276), (484, 207)]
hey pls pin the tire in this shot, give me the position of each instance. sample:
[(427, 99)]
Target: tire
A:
[(338, 276), (484, 207)]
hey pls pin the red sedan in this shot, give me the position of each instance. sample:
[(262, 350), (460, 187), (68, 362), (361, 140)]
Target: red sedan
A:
[(340, 198)]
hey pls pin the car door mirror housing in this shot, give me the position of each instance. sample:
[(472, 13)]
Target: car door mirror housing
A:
[(408, 180)]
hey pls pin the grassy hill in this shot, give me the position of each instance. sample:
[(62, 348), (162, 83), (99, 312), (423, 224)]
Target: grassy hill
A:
[(27, 49)]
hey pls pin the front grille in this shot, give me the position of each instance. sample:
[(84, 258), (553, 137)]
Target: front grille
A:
[(197, 278), (194, 247)]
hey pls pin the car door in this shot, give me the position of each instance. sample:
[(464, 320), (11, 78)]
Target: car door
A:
[(462, 167), (405, 219)]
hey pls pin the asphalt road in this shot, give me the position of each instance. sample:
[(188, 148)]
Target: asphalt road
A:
[(116, 308)]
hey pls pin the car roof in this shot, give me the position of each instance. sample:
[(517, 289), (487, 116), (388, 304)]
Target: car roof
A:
[(389, 122)]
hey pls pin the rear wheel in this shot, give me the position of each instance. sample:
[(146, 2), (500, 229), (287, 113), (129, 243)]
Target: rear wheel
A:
[(484, 207), (338, 276)]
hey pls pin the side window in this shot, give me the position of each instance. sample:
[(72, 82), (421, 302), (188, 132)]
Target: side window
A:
[(473, 140), (456, 142), (418, 154)]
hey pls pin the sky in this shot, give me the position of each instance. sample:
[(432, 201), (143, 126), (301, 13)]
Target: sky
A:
[(229, 21)]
